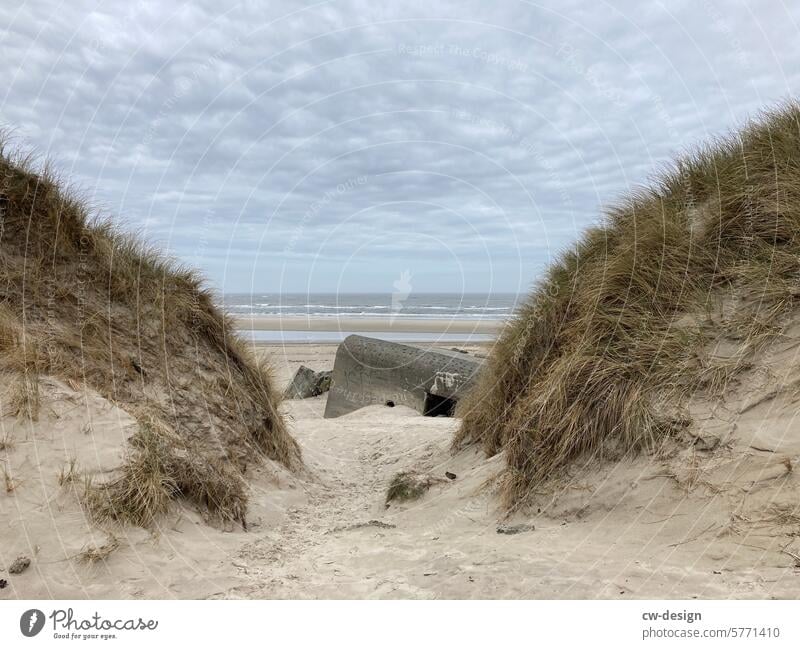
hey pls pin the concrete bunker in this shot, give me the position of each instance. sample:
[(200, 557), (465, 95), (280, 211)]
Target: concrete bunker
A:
[(369, 371)]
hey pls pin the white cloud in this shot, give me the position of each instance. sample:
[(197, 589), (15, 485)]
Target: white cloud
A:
[(489, 133)]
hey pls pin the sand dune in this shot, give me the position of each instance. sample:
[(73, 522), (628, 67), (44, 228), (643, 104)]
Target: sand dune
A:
[(712, 518)]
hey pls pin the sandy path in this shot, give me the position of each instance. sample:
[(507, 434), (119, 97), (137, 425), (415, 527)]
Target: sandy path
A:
[(331, 546), (628, 531), (447, 545)]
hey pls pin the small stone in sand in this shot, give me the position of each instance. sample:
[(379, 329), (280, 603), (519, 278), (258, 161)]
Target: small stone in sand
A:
[(19, 566), (515, 529), (450, 475)]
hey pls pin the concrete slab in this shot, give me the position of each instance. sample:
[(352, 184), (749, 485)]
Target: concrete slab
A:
[(369, 371)]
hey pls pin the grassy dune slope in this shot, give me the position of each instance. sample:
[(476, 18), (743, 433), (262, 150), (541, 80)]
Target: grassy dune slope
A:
[(613, 341), (94, 307)]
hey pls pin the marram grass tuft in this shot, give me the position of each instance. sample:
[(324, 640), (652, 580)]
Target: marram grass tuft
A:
[(92, 306), (611, 341)]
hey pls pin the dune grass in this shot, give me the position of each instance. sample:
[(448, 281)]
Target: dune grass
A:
[(93, 306), (611, 341), (162, 466), (98, 553), (409, 485)]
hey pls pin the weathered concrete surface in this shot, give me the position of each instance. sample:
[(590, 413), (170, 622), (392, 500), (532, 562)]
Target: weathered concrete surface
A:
[(370, 371), (308, 383)]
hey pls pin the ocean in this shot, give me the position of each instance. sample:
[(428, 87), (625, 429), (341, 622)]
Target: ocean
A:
[(415, 305), (391, 306)]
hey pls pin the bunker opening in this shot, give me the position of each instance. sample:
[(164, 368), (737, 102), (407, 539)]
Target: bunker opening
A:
[(436, 406)]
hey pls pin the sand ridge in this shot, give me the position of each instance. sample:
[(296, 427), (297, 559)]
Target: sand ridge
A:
[(689, 523)]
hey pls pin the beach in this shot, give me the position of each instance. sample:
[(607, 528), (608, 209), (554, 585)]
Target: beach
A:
[(435, 326)]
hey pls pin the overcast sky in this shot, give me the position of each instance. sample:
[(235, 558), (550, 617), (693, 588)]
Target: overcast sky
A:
[(334, 145)]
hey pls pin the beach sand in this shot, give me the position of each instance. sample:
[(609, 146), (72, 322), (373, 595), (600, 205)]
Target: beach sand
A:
[(357, 325), (693, 525)]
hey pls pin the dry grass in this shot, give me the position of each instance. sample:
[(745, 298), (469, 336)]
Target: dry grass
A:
[(9, 482), (787, 515), (97, 308), (69, 473), (7, 443), (603, 348), (409, 485), (774, 520), (10, 329), (24, 401), (715, 376), (144, 488), (160, 468), (92, 554)]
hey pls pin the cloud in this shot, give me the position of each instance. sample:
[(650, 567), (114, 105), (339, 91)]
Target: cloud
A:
[(332, 145)]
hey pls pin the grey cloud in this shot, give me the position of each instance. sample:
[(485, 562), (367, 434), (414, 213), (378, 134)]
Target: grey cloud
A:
[(488, 134)]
